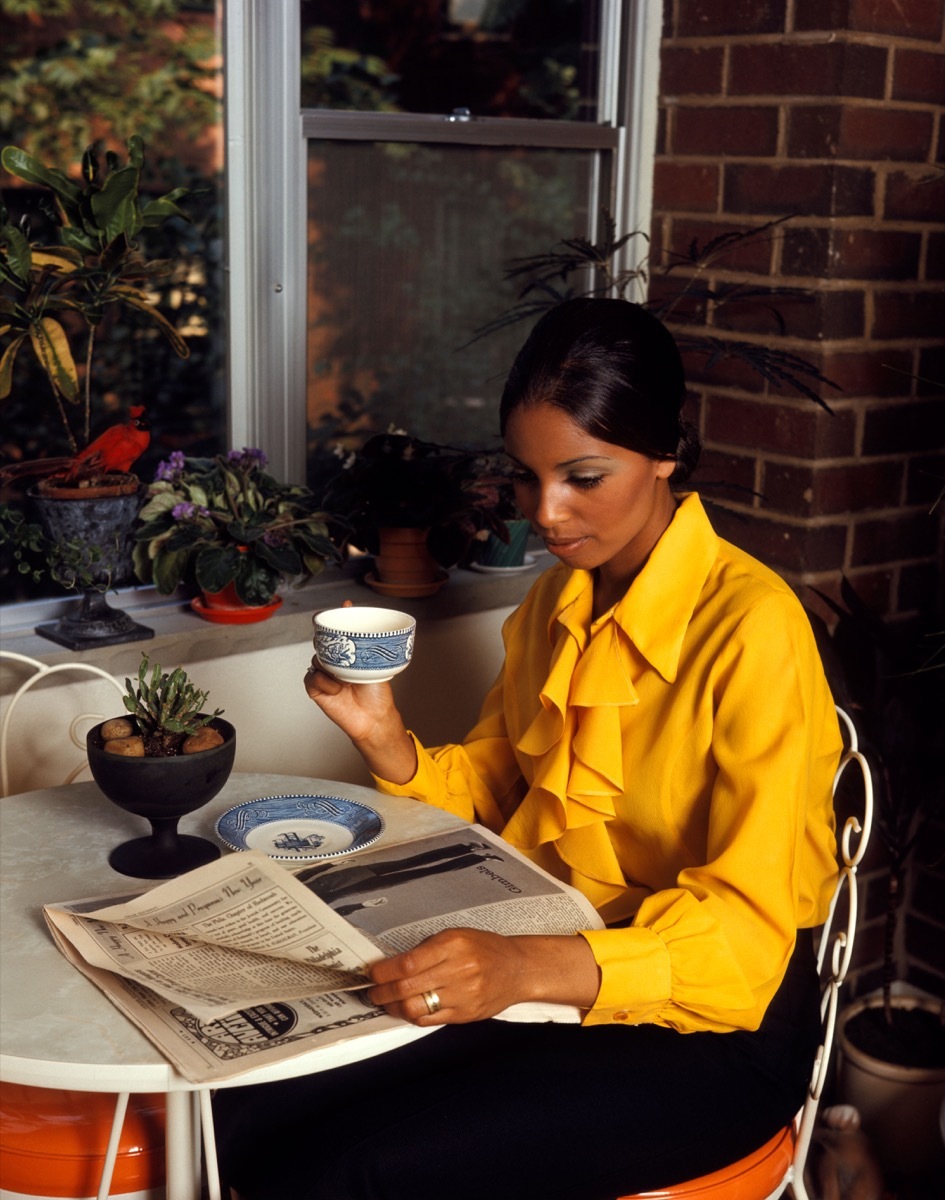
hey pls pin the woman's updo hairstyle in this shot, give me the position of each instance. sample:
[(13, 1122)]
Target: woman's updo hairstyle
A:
[(615, 370)]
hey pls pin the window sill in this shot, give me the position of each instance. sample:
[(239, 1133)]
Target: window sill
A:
[(181, 637)]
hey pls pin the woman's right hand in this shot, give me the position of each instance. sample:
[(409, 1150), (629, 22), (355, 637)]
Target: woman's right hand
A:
[(366, 712)]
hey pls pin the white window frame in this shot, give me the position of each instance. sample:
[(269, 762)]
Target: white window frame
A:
[(266, 137)]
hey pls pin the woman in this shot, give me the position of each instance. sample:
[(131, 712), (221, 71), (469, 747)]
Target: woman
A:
[(662, 737)]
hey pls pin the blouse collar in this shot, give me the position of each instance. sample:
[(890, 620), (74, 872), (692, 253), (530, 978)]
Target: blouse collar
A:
[(575, 740)]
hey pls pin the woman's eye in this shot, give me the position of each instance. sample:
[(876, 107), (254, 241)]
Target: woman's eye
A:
[(585, 482)]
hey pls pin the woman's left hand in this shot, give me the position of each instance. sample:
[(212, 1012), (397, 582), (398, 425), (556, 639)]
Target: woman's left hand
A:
[(470, 975)]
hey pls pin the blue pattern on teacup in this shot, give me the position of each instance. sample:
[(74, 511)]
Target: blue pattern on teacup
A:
[(370, 652)]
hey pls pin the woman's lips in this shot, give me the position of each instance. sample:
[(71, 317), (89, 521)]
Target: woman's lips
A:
[(563, 547)]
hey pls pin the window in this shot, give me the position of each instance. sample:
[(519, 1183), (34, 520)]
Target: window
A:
[(560, 147), (296, 347)]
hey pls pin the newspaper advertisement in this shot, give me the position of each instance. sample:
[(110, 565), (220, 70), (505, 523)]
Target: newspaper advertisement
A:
[(243, 962)]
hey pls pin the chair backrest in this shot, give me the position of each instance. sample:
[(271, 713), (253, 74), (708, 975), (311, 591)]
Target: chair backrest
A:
[(38, 671), (836, 942)]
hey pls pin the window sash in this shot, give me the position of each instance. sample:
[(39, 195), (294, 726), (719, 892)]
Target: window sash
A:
[(266, 142)]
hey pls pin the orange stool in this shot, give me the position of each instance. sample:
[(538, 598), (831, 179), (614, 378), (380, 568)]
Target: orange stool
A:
[(758, 1176), (53, 1143)]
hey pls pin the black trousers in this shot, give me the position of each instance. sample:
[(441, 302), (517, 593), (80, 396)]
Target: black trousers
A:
[(535, 1112)]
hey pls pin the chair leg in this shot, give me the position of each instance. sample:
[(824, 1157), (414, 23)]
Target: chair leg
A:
[(111, 1153)]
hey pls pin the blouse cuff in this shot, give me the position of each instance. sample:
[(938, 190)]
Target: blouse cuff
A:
[(635, 976)]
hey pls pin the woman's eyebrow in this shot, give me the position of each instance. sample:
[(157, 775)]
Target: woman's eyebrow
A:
[(568, 462)]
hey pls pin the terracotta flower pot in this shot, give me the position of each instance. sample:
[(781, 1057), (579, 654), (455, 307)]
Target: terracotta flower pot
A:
[(404, 566)]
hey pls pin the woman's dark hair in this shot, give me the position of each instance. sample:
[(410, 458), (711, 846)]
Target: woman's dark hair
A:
[(615, 370)]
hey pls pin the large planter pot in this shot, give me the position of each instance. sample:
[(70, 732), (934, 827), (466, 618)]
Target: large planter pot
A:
[(104, 516), (899, 1106), (404, 566), (162, 790)]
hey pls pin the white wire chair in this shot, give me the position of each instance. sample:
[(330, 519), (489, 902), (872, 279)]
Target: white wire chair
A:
[(39, 671), (770, 1171)]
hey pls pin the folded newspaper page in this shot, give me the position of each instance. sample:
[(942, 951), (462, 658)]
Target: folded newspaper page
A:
[(242, 963)]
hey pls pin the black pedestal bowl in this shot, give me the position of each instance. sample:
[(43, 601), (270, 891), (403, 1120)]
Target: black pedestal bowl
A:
[(162, 790)]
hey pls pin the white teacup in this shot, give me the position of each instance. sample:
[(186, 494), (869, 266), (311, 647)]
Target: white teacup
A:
[(363, 645)]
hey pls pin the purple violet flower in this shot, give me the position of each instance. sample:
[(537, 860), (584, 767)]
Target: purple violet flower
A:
[(167, 470), (186, 510), (248, 458)]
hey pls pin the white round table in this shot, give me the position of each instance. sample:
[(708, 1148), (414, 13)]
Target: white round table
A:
[(58, 1030)]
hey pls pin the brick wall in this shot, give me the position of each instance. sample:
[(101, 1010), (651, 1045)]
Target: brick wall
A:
[(832, 111)]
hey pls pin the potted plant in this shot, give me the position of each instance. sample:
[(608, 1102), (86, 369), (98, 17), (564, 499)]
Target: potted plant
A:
[(576, 266), (503, 548), (892, 681), (167, 758), (414, 505), (227, 527), (60, 294)]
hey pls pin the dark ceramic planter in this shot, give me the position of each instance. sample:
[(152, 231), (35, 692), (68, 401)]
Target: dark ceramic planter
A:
[(106, 521), (162, 790)]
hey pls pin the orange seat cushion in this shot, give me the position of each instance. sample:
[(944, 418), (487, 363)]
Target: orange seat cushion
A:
[(751, 1178), (53, 1143)]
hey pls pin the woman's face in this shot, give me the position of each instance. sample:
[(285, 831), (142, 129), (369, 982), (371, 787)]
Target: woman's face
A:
[(594, 504)]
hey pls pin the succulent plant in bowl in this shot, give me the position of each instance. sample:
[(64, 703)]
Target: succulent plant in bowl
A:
[(166, 759)]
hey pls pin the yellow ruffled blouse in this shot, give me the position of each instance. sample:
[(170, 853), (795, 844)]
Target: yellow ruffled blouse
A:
[(672, 760)]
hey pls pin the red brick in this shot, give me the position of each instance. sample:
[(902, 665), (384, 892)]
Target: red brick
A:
[(821, 315), (822, 491), (874, 587), (750, 253), (783, 545), (747, 131), (690, 71), (917, 195), (931, 372), (797, 427), (905, 18), (709, 18), (848, 131), (725, 476), (918, 75), (912, 426), (870, 372), (851, 254), (807, 69), (704, 364), (686, 187), (911, 314), (893, 538), (813, 190), (935, 256)]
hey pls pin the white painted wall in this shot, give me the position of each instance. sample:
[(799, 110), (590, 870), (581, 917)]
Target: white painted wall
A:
[(278, 728)]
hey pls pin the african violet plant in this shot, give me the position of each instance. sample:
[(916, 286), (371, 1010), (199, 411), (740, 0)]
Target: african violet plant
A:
[(216, 521)]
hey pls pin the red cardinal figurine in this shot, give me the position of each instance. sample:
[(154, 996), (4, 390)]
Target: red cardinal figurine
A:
[(113, 451)]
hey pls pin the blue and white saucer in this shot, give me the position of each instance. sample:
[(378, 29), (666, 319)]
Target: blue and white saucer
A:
[(300, 828)]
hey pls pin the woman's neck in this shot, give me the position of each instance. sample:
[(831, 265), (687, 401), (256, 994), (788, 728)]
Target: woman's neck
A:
[(612, 579)]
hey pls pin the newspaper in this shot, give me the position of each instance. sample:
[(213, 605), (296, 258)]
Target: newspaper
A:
[(243, 963)]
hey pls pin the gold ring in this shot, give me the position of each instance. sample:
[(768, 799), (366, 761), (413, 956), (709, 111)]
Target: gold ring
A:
[(432, 1001)]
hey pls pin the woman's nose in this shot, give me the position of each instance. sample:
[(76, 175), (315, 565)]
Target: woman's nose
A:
[(550, 507)]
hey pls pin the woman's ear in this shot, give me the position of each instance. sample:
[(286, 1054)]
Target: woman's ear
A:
[(665, 467)]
